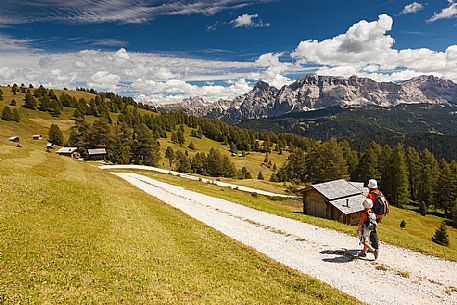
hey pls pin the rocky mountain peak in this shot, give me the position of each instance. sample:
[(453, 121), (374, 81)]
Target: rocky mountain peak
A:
[(318, 91)]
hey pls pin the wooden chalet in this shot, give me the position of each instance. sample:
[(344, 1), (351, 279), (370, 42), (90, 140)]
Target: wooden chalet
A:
[(338, 200), (71, 152), (96, 154), (37, 137)]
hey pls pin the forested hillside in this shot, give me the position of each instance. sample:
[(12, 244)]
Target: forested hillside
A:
[(432, 127), (134, 133)]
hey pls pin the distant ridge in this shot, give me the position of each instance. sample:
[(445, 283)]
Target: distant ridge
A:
[(315, 91)]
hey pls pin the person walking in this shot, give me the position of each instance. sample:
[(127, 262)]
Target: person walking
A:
[(380, 208), (367, 223)]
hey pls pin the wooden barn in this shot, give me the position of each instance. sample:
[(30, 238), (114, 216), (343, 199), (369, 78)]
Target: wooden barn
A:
[(96, 154), (71, 152), (14, 139), (338, 200), (37, 137)]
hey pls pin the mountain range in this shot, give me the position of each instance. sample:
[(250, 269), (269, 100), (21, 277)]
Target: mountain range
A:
[(316, 92)]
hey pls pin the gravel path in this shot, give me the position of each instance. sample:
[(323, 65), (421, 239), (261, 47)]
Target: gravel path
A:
[(399, 276), (195, 178)]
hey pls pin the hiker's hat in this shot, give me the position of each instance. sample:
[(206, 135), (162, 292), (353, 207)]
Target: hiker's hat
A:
[(368, 203), (373, 184)]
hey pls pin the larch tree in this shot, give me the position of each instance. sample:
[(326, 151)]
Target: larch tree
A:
[(414, 168)]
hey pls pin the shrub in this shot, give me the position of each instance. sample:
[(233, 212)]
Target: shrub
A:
[(441, 237), (403, 224)]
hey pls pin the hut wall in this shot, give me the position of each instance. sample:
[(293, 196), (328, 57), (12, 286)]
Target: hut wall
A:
[(315, 204)]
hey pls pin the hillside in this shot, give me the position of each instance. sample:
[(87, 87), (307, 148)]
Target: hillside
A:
[(421, 126), (38, 122), (71, 233)]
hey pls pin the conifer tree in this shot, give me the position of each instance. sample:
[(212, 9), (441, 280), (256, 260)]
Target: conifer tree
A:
[(180, 137), (7, 115), (174, 138), (426, 187), (368, 166), (13, 102), (192, 145), (55, 136), (144, 147), (441, 236), (170, 155), (325, 162), (233, 148), (444, 194), (183, 164), (15, 115), (29, 101), (260, 176), (413, 165), (395, 179)]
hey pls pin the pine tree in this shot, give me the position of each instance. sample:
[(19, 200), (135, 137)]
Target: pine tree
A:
[(444, 194), (15, 115), (55, 136), (44, 103), (260, 176), (396, 178), (325, 162), (145, 148), (413, 165), (233, 148), (441, 237), (29, 101), (368, 166), (7, 115), (174, 138), (170, 155), (183, 164), (180, 136)]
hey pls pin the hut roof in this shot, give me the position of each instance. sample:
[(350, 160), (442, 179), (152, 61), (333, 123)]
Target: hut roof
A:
[(67, 150), (349, 205), (13, 138), (336, 189), (96, 151), (344, 195)]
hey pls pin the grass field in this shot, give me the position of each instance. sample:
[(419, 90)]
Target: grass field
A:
[(253, 161), (71, 233), (416, 236)]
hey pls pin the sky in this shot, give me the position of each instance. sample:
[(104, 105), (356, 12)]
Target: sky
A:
[(164, 51)]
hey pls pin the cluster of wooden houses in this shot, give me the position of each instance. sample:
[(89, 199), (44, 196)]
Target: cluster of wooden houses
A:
[(97, 154)]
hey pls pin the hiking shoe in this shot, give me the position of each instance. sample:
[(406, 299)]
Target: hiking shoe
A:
[(376, 253), (362, 254)]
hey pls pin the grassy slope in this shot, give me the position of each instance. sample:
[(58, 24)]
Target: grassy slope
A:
[(416, 236), (35, 122), (70, 233), (253, 161)]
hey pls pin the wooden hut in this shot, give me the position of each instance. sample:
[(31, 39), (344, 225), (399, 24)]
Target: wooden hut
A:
[(71, 152), (14, 139), (96, 154), (37, 137), (338, 200)]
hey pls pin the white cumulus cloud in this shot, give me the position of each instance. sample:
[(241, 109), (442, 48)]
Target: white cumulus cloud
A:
[(448, 12), (412, 8), (248, 21)]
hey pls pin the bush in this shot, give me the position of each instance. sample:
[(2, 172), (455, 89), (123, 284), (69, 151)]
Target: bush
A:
[(441, 237), (255, 195), (403, 224)]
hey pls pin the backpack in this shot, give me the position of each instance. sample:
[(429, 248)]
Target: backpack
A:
[(380, 204), (371, 222)]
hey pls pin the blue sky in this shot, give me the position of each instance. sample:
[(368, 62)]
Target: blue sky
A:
[(162, 51)]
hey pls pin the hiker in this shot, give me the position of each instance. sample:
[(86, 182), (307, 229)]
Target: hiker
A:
[(380, 208), (367, 224)]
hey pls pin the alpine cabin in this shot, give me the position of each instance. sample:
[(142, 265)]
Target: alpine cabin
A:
[(338, 200)]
